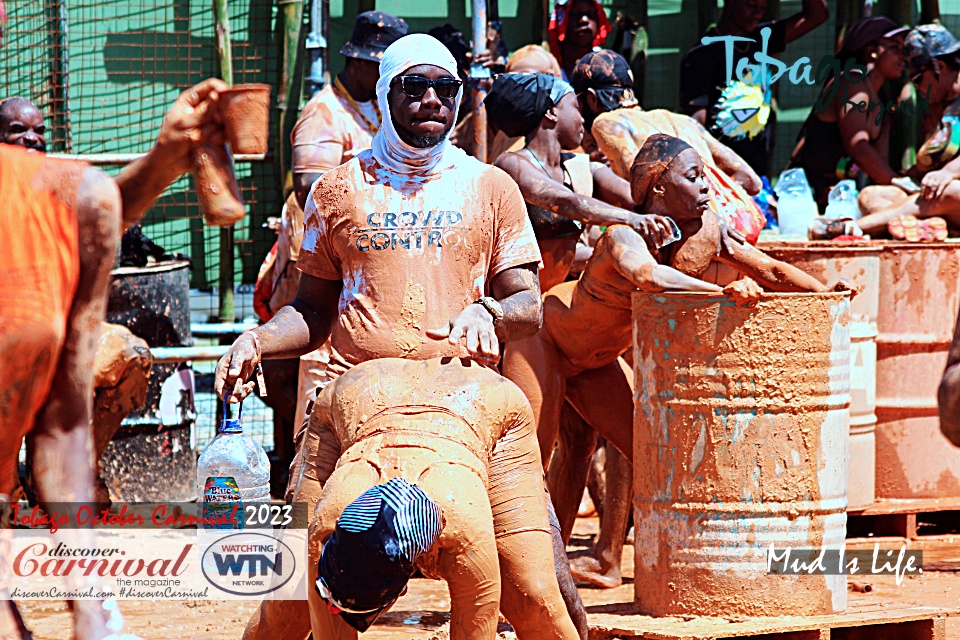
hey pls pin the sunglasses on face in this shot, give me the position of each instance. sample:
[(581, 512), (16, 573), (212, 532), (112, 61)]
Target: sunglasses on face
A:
[(416, 86)]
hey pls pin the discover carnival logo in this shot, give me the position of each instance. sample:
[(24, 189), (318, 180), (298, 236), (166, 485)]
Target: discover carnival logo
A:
[(248, 564)]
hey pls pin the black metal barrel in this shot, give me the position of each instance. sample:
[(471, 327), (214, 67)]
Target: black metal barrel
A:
[(153, 455)]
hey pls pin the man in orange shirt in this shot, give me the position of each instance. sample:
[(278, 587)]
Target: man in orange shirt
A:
[(336, 125), (418, 246)]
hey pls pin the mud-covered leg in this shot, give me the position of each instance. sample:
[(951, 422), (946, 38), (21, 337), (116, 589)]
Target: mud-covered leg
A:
[(468, 560), (561, 566), (534, 366), (531, 599), (601, 566), (290, 619), (569, 467), (610, 412)]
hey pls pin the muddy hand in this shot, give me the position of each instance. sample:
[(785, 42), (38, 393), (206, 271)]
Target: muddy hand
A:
[(656, 230), (730, 237), (844, 284), (934, 183), (475, 324), (191, 121), (235, 368), (745, 292)]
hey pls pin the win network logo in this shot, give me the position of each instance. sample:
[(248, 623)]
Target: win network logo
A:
[(248, 564)]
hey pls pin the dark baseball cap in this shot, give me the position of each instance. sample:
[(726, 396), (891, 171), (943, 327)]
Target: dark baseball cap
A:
[(373, 32), (372, 553), (926, 42), (867, 30), (609, 75)]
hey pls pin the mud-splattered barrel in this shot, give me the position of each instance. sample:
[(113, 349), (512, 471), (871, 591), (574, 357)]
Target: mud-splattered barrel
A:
[(153, 455), (919, 296), (740, 444), (859, 262)]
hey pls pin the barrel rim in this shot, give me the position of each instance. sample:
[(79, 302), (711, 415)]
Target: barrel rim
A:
[(823, 246), (949, 243), (159, 267), (766, 295)]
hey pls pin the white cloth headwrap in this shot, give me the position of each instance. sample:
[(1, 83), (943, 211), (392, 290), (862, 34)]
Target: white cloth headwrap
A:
[(560, 89), (393, 154)]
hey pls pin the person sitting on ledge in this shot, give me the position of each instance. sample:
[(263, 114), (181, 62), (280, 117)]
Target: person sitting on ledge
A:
[(845, 133), (933, 59)]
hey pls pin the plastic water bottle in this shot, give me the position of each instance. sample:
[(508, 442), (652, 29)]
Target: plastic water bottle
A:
[(233, 472), (796, 207), (842, 201)]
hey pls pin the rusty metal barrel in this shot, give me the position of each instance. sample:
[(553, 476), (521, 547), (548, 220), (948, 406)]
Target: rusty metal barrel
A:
[(859, 262), (740, 444), (919, 296), (153, 455)]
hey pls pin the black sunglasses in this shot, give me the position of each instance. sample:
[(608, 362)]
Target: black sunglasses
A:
[(416, 86)]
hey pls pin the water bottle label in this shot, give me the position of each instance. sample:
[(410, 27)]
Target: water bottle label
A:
[(222, 507)]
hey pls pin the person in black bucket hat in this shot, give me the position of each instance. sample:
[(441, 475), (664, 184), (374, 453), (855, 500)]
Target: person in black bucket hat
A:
[(341, 120), (370, 557), (373, 32)]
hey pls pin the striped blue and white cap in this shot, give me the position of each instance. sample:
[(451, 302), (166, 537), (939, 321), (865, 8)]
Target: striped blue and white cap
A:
[(369, 558)]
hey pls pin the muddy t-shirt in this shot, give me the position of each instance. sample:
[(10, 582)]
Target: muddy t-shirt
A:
[(331, 131), (410, 259)]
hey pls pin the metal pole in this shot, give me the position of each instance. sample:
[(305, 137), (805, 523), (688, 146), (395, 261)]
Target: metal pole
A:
[(225, 57), (480, 77), (317, 46), (59, 73), (291, 19), (182, 354), (929, 11), (120, 159)]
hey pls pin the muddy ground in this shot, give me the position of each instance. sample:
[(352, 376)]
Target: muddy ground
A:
[(420, 613)]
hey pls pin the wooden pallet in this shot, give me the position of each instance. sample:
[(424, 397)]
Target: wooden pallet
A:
[(899, 518), (859, 623)]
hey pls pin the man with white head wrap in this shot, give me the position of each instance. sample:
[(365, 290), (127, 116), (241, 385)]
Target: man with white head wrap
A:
[(426, 252)]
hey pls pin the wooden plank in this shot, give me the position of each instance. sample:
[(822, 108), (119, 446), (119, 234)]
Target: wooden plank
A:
[(885, 507), (699, 628)]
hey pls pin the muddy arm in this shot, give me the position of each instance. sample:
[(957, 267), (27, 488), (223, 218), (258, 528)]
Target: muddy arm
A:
[(191, 121), (635, 262), (542, 191), (855, 134), (948, 395), (611, 188), (297, 329), (518, 291), (772, 275), (617, 144)]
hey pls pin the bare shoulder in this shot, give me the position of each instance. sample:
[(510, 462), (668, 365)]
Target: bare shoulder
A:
[(509, 162), (608, 124)]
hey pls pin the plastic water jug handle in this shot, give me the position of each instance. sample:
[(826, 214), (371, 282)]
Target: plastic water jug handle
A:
[(231, 425)]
